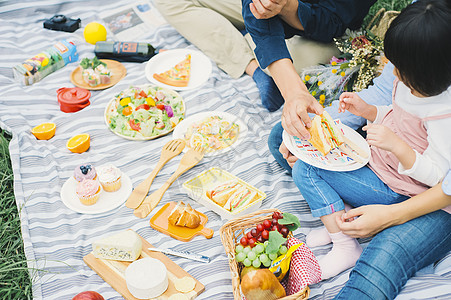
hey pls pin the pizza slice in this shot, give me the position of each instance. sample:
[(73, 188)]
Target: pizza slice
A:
[(177, 75)]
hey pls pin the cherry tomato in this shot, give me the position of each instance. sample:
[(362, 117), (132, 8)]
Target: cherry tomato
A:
[(265, 234), (244, 241), (143, 106), (267, 224), (260, 227), (160, 106), (134, 126), (142, 94), (252, 242)]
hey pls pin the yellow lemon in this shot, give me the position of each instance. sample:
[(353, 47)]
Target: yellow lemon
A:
[(79, 143), (94, 32), (44, 131)]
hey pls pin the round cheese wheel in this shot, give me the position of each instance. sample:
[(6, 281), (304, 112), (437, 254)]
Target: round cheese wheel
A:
[(146, 278)]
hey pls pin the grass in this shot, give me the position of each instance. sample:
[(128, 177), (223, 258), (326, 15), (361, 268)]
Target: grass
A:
[(15, 279)]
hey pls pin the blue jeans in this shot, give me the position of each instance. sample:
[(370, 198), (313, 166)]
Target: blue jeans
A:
[(396, 254), (326, 190)]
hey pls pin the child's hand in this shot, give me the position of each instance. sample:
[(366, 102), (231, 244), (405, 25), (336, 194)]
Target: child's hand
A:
[(353, 103), (291, 159), (381, 137)]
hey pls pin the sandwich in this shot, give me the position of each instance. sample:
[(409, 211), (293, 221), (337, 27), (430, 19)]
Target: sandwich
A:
[(325, 135), (221, 193), (241, 198)]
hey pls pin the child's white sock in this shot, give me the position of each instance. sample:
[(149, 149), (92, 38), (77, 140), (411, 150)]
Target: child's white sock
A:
[(344, 254), (318, 237)]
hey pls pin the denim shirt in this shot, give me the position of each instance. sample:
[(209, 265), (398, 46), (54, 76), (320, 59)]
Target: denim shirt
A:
[(322, 21)]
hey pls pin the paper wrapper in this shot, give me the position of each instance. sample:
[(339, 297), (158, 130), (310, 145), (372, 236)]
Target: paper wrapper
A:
[(304, 268)]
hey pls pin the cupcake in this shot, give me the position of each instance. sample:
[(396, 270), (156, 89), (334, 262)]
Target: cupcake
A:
[(109, 177), (85, 171), (88, 191)]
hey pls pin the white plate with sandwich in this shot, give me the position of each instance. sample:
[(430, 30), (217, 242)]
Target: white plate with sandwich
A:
[(333, 146)]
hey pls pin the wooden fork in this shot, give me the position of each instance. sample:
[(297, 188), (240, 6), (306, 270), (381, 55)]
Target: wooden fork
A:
[(169, 151), (189, 160)]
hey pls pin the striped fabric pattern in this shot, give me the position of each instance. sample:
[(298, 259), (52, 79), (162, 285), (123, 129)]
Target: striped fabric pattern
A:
[(56, 238)]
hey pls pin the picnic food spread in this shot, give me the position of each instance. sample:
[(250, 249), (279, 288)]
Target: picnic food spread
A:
[(144, 112), (212, 133), (178, 75), (184, 215)]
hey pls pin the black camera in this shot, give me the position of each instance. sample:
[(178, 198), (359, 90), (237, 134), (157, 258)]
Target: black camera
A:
[(62, 23)]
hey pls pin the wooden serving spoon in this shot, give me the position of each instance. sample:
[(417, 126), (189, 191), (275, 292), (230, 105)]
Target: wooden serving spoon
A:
[(169, 151)]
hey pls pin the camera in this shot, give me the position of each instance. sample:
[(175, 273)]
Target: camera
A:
[(62, 23)]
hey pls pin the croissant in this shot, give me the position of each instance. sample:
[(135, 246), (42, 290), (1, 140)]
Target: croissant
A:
[(184, 215)]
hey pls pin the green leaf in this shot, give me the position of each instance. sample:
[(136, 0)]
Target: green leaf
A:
[(290, 220), (275, 240)]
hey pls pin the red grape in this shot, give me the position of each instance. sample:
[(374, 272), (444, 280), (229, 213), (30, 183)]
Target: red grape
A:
[(284, 231), (260, 227), (267, 224), (260, 239), (275, 228), (277, 215), (252, 242), (274, 222), (254, 232), (249, 235), (265, 234), (243, 241)]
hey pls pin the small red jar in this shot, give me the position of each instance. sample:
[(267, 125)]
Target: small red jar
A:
[(73, 99)]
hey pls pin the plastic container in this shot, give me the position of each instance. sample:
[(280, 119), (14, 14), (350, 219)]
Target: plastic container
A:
[(73, 99), (197, 187), (48, 61)]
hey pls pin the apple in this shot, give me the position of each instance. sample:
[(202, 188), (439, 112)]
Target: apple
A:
[(88, 295)]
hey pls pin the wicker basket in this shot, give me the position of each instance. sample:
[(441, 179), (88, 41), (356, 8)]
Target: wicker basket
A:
[(232, 231)]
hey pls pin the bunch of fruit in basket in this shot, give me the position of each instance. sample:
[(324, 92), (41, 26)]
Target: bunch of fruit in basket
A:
[(266, 242)]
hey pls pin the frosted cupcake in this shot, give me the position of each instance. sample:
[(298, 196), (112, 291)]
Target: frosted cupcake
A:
[(85, 171), (109, 177), (88, 191)]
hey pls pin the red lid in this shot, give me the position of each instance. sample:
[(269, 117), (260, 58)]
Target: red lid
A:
[(73, 99)]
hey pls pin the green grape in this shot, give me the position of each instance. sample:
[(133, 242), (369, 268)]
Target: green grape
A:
[(272, 256), (247, 250), (259, 248), (266, 244), (267, 263), (240, 257), (251, 255), (256, 263), (239, 248), (247, 262), (263, 258), (283, 249)]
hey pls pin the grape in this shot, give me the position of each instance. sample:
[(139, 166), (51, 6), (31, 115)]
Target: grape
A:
[(254, 232), (256, 263), (272, 256), (260, 239), (266, 243), (284, 231), (247, 250), (265, 234), (243, 241), (263, 258), (259, 248), (239, 248), (274, 222), (251, 255), (267, 224), (240, 257), (267, 263), (260, 227), (247, 262), (249, 235), (252, 242), (283, 249)]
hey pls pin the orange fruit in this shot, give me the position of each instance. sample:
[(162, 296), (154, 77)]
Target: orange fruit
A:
[(44, 131), (79, 143)]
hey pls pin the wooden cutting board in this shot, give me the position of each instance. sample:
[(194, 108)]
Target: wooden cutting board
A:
[(113, 272)]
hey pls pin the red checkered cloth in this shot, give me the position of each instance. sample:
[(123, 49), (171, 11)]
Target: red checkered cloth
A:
[(304, 268)]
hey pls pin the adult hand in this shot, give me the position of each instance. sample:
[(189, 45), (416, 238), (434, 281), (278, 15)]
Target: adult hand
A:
[(265, 9), (365, 221), (291, 159), (295, 116), (382, 137)]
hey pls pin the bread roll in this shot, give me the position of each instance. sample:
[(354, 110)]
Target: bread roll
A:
[(261, 284), (184, 215)]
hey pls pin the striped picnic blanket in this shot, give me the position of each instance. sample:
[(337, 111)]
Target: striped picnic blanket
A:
[(57, 238)]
